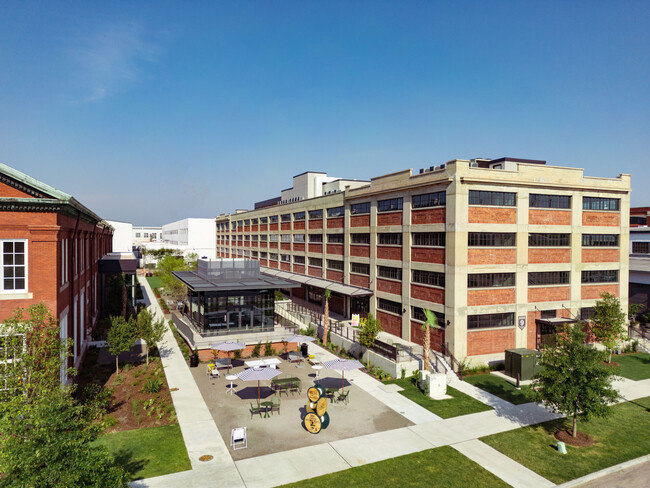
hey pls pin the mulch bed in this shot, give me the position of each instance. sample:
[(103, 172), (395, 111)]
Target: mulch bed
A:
[(581, 440), (613, 364)]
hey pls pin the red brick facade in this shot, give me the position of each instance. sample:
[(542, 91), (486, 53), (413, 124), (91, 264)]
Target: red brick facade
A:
[(492, 296), (360, 251), (429, 216), (600, 255), (491, 256), (492, 215), (393, 218), (428, 255), (489, 341), (595, 291), (388, 252), (335, 223), (360, 221), (549, 217), (607, 219), (394, 287), (360, 280), (549, 294), (390, 323), (538, 255), (427, 293)]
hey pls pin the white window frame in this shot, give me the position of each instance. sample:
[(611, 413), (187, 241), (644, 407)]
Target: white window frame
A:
[(2, 270)]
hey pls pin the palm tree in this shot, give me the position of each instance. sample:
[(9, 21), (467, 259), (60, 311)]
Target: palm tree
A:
[(432, 321), (326, 316)]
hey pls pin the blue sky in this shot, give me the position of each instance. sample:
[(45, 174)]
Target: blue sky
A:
[(150, 112)]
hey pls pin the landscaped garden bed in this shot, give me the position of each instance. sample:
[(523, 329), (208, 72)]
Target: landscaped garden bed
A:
[(619, 438), (500, 387)]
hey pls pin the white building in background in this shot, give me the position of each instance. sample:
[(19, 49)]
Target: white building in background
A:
[(122, 236), (142, 235), (190, 236)]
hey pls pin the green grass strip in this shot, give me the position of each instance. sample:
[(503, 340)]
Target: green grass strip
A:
[(633, 366), (500, 387), (154, 281)]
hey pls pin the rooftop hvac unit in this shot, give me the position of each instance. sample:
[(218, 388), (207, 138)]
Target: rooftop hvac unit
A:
[(432, 168), (442, 166), (473, 164)]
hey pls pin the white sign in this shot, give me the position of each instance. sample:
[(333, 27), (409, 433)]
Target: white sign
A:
[(355, 320)]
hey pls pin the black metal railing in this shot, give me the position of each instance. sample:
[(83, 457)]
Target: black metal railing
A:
[(455, 365)]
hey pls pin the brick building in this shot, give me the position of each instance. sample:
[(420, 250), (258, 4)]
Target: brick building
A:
[(51, 245), (501, 250)]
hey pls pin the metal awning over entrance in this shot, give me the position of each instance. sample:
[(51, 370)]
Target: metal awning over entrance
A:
[(349, 290), (547, 328)]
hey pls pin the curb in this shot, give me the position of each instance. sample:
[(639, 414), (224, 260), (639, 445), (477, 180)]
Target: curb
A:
[(605, 472)]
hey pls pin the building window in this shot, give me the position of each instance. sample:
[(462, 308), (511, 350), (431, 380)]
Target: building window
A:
[(360, 208), (549, 201), (315, 237), (264, 237), (600, 240), (273, 238), (335, 264), (285, 217), (597, 203), (390, 239), (240, 223), (390, 205), (286, 258), (418, 314), (285, 237), (316, 262), (641, 247), (264, 220), (438, 199), (548, 314), (335, 212), (247, 253), (600, 276), (254, 254), (254, 238), (548, 278), (496, 198), (586, 313), (435, 239), (299, 238), (432, 278), (299, 216), (360, 268), (335, 238), (247, 238), (254, 221), (299, 259), (636, 220), (490, 320), (14, 266), (273, 256), (247, 222), (263, 255), (389, 272), (389, 306), (490, 280), (273, 219), (549, 240), (360, 238), (315, 214), (491, 239), (137, 235)]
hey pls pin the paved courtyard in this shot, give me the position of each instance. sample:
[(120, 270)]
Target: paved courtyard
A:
[(362, 415)]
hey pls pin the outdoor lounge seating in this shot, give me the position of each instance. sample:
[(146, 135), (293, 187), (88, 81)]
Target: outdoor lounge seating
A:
[(343, 397), (256, 410), (212, 371), (238, 439), (331, 393), (287, 384)]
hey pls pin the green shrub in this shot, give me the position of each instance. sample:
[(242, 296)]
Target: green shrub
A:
[(311, 331), (415, 377), (237, 353), (153, 385), (268, 349), (403, 373), (256, 350), (118, 380), (110, 421)]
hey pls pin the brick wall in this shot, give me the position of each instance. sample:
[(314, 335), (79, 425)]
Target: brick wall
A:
[(360, 280), (335, 249), (316, 224), (264, 262), (390, 323), (492, 215), (429, 216), (549, 217), (264, 227), (286, 246), (273, 264), (335, 223), (489, 341), (541, 255), (317, 272), (335, 275), (392, 218), (491, 256), (273, 226), (428, 255), (389, 252), (429, 294), (531, 329), (285, 266), (493, 296), (549, 294), (7, 191), (299, 246), (394, 287), (360, 251), (600, 256), (612, 219), (299, 268), (254, 228), (360, 221), (285, 226), (299, 225), (594, 291), (316, 248)]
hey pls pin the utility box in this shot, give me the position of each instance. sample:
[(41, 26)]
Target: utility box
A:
[(522, 361)]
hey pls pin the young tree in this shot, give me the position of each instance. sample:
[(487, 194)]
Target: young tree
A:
[(150, 330), (172, 285), (608, 322), (47, 442), (121, 337), (573, 380), (432, 321), (326, 316), (369, 329), (633, 309)]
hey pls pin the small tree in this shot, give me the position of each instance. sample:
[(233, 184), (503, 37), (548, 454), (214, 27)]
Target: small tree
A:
[(326, 316), (150, 330), (369, 329), (432, 321), (172, 285), (573, 380), (48, 442), (121, 337), (633, 310), (608, 322)]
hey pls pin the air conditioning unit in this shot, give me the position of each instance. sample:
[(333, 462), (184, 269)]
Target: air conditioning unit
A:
[(473, 164)]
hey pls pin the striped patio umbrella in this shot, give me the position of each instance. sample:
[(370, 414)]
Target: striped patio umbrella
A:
[(229, 346), (343, 365), (300, 339), (259, 374)]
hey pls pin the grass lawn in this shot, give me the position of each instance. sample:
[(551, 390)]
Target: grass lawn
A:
[(154, 281), (633, 366), (499, 387), (442, 466), (153, 451), (460, 404), (619, 438)]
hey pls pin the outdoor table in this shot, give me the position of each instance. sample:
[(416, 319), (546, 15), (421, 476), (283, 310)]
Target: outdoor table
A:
[(317, 368), (253, 364), (288, 382), (231, 378), (267, 406), (272, 362)]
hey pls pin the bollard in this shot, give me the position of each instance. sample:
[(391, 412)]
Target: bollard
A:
[(561, 447), (518, 387)]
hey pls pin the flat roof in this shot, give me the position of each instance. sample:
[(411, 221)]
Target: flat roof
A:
[(353, 291), (193, 281)]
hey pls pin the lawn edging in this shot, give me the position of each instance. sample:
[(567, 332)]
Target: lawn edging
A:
[(604, 472)]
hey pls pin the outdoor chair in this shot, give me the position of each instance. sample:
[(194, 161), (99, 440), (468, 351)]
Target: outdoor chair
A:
[(255, 410), (331, 394), (238, 439), (213, 371), (276, 404), (343, 397)]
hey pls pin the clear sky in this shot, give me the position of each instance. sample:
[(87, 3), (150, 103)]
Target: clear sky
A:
[(150, 112)]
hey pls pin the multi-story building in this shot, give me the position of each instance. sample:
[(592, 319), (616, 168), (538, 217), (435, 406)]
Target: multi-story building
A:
[(51, 246), (501, 250), (142, 235), (191, 235)]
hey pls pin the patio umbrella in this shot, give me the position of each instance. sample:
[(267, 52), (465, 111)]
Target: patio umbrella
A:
[(228, 346), (259, 374), (343, 365), (299, 339)]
